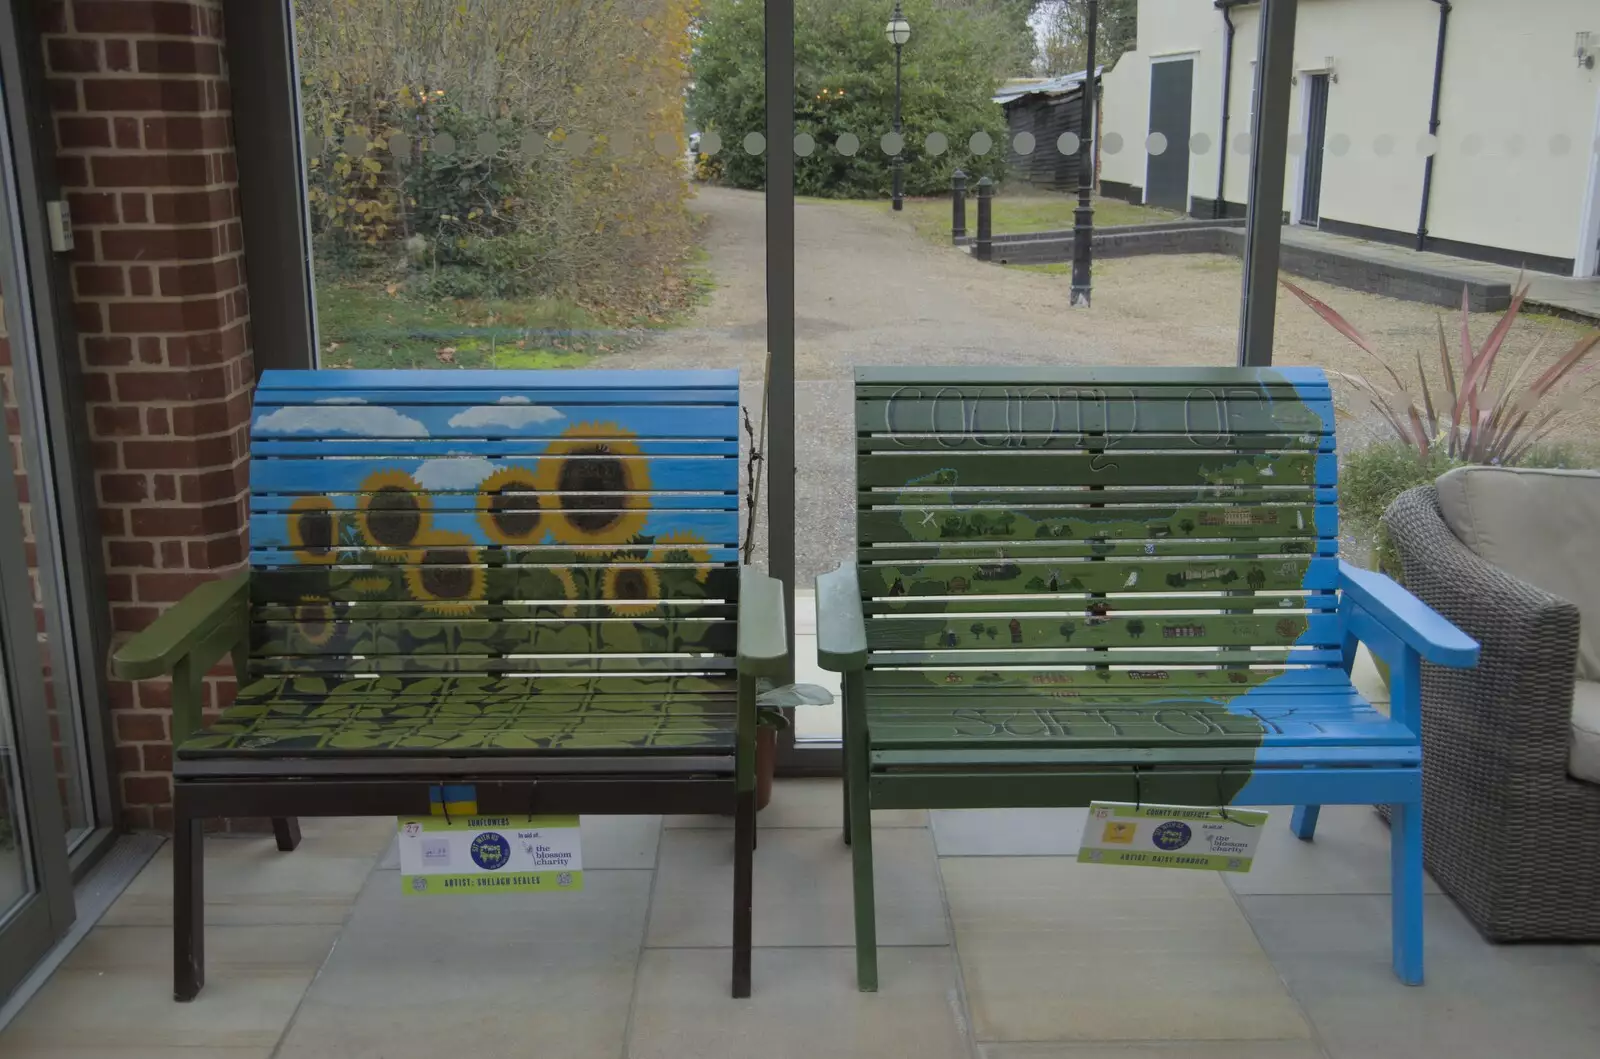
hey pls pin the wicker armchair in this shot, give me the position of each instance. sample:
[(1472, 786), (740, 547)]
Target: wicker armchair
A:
[(1508, 832)]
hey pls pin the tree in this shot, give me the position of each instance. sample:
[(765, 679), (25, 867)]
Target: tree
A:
[(1063, 40), (844, 84)]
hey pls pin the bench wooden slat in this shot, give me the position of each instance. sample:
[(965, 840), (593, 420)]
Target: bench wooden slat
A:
[(998, 633), (1018, 576), (1058, 494), (1143, 681), (409, 383), (519, 418), (1296, 378), (1079, 606), (1045, 548), (465, 474), (465, 636), (1086, 468), (268, 531), (947, 524), (347, 665), (1199, 655), (518, 583), (660, 687), (1022, 441)]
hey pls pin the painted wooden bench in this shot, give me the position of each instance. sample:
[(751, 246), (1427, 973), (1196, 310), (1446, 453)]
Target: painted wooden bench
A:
[(1116, 584), (521, 582)]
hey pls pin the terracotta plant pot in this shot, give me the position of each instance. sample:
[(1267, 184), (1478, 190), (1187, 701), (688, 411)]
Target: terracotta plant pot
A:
[(766, 764)]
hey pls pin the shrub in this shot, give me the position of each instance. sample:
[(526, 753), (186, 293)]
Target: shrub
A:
[(1372, 477), (1471, 421), (844, 83)]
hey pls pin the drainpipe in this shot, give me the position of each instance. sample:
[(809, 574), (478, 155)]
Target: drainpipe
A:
[(1433, 124), (1219, 206)]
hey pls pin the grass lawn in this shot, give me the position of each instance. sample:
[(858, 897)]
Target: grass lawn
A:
[(1028, 212), (367, 324)]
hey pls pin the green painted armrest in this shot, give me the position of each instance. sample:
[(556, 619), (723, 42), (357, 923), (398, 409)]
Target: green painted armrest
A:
[(155, 650), (763, 639), (841, 631)]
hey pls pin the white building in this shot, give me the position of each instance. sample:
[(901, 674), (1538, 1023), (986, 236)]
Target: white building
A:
[(1515, 173)]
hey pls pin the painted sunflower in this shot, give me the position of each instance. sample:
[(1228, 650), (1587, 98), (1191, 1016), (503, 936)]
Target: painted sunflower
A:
[(448, 576), (569, 589), (631, 591), (315, 620), (599, 483), (393, 510), (683, 547), (314, 529), (510, 508)]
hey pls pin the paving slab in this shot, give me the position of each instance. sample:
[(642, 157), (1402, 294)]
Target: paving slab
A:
[(805, 1005), (1007, 832), (1053, 950), (1479, 1000), (1349, 855), (1156, 1050), (803, 891), (806, 802), (500, 974)]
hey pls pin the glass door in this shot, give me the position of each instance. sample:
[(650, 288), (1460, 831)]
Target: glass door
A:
[(39, 760)]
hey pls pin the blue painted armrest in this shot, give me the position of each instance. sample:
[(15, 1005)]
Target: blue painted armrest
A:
[(841, 631), (763, 636), (1411, 621)]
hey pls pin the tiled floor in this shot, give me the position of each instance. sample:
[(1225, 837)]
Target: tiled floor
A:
[(998, 945)]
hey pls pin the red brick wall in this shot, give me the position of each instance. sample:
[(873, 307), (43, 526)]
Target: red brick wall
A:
[(139, 92)]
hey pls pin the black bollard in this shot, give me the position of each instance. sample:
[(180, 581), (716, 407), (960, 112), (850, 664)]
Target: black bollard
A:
[(958, 207), (984, 249)]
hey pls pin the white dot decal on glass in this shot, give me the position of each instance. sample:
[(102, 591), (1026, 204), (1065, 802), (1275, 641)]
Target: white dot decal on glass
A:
[(621, 144), (1338, 145), (531, 145), (1023, 143), (1560, 145), (443, 143), (1199, 143), (1156, 143), (937, 143), (1516, 143), (1241, 143), (579, 143), (804, 144), (355, 144), (754, 143), (487, 143), (665, 143), (1068, 143), (980, 143), (1471, 144), (710, 143), (399, 145), (1112, 144), (314, 143), (1297, 144), (1383, 145), (892, 143), (847, 144), (1427, 145)]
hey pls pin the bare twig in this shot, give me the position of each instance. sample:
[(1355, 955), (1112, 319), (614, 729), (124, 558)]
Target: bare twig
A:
[(754, 472)]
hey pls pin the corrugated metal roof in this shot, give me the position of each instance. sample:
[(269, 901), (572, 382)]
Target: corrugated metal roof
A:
[(1018, 87)]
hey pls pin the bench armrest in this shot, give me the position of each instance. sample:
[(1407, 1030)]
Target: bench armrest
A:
[(1405, 617), (203, 618), (841, 630), (763, 635)]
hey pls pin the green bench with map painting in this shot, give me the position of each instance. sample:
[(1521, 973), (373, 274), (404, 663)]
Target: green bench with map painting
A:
[(517, 588), (1116, 584)]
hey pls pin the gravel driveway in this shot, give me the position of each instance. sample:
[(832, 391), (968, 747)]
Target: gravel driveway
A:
[(869, 291)]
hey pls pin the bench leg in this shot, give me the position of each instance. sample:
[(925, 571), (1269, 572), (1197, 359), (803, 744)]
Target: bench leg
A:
[(286, 829), (860, 809), (1405, 881), (188, 905), (1304, 821), (744, 844), (844, 772)]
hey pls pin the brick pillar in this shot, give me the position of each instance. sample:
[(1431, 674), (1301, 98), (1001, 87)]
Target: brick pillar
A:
[(139, 93)]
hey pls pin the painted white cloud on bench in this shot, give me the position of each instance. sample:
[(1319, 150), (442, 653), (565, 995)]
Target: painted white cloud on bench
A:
[(505, 415), (359, 420), (460, 474)]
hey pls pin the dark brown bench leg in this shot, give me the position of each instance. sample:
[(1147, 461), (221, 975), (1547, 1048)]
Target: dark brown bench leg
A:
[(286, 829), (188, 903), (744, 844)]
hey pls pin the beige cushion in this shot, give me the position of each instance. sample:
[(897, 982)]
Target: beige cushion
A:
[(1585, 760), (1539, 526)]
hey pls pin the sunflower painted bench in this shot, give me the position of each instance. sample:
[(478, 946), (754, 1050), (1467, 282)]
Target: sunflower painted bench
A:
[(523, 583), (1116, 584)]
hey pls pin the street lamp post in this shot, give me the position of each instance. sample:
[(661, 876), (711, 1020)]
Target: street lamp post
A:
[(898, 31), (1083, 216)]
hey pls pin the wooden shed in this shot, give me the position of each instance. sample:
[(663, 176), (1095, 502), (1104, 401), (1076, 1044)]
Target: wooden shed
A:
[(1044, 110)]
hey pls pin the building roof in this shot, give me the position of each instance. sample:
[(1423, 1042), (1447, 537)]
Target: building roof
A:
[(1067, 84)]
